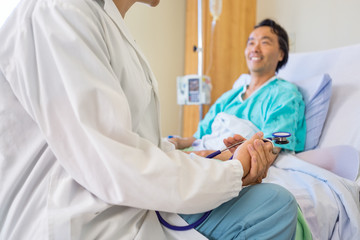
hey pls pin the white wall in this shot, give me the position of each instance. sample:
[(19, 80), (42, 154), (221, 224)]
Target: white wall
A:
[(315, 24), (160, 33)]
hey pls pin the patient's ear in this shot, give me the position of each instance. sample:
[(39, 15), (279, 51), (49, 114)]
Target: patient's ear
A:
[(281, 56)]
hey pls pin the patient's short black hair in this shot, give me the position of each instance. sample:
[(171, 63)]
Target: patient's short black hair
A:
[(282, 36)]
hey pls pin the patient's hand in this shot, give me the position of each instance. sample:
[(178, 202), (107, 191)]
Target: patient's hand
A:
[(204, 153), (232, 140), (255, 156), (226, 155), (181, 143)]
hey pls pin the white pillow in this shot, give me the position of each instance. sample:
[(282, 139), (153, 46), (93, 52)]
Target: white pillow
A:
[(316, 91), (342, 64)]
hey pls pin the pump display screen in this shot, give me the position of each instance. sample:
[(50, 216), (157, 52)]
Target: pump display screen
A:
[(194, 90)]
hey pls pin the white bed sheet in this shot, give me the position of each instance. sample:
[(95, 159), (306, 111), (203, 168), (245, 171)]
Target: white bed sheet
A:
[(330, 204)]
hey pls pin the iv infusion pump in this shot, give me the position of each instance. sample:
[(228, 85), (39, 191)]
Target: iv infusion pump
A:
[(193, 90)]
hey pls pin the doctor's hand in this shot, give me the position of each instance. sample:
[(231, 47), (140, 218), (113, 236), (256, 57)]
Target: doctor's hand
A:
[(255, 157)]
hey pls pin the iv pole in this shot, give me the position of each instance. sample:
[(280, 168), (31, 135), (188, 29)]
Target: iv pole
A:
[(200, 50)]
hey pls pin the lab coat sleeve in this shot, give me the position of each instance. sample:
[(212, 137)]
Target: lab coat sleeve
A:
[(75, 97)]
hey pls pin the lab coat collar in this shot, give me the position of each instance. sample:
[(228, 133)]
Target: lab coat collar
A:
[(112, 11)]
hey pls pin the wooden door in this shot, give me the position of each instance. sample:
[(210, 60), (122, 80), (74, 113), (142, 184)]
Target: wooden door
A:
[(228, 44)]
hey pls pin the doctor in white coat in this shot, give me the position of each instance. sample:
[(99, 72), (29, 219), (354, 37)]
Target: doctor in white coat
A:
[(81, 155)]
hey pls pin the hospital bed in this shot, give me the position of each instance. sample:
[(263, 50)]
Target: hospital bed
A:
[(325, 177)]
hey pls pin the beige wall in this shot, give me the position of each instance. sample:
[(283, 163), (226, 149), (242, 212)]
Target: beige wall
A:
[(160, 33), (315, 24)]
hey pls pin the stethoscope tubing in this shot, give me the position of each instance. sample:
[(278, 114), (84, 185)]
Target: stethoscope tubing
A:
[(203, 217), (183, 228), (206, 214)]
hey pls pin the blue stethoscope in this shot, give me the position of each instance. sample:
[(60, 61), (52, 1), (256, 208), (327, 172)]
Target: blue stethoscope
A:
[(278, 138)]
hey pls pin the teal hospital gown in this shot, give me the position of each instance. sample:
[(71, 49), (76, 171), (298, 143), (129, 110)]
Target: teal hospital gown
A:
[(276, 106)]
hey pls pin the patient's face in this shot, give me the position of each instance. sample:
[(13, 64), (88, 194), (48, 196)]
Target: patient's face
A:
[(263, 51)]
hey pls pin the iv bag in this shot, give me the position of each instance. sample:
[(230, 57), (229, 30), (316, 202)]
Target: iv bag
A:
[(215, 8)]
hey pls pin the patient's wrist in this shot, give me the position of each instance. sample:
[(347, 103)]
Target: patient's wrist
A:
[(246, 167)]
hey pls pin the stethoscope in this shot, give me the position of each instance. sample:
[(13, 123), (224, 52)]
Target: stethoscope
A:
[(278, 138)]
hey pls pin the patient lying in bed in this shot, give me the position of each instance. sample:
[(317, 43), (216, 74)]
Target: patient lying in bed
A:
[(329, 204), (326, 208), (276, 106)]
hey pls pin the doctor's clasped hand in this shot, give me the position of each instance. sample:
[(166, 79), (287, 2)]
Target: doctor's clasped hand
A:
[(255, 155)]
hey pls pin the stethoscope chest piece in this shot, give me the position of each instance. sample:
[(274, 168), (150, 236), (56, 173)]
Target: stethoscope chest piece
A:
[(281, 137)]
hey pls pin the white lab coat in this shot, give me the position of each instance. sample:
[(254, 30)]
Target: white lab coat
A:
[(80, 148)]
